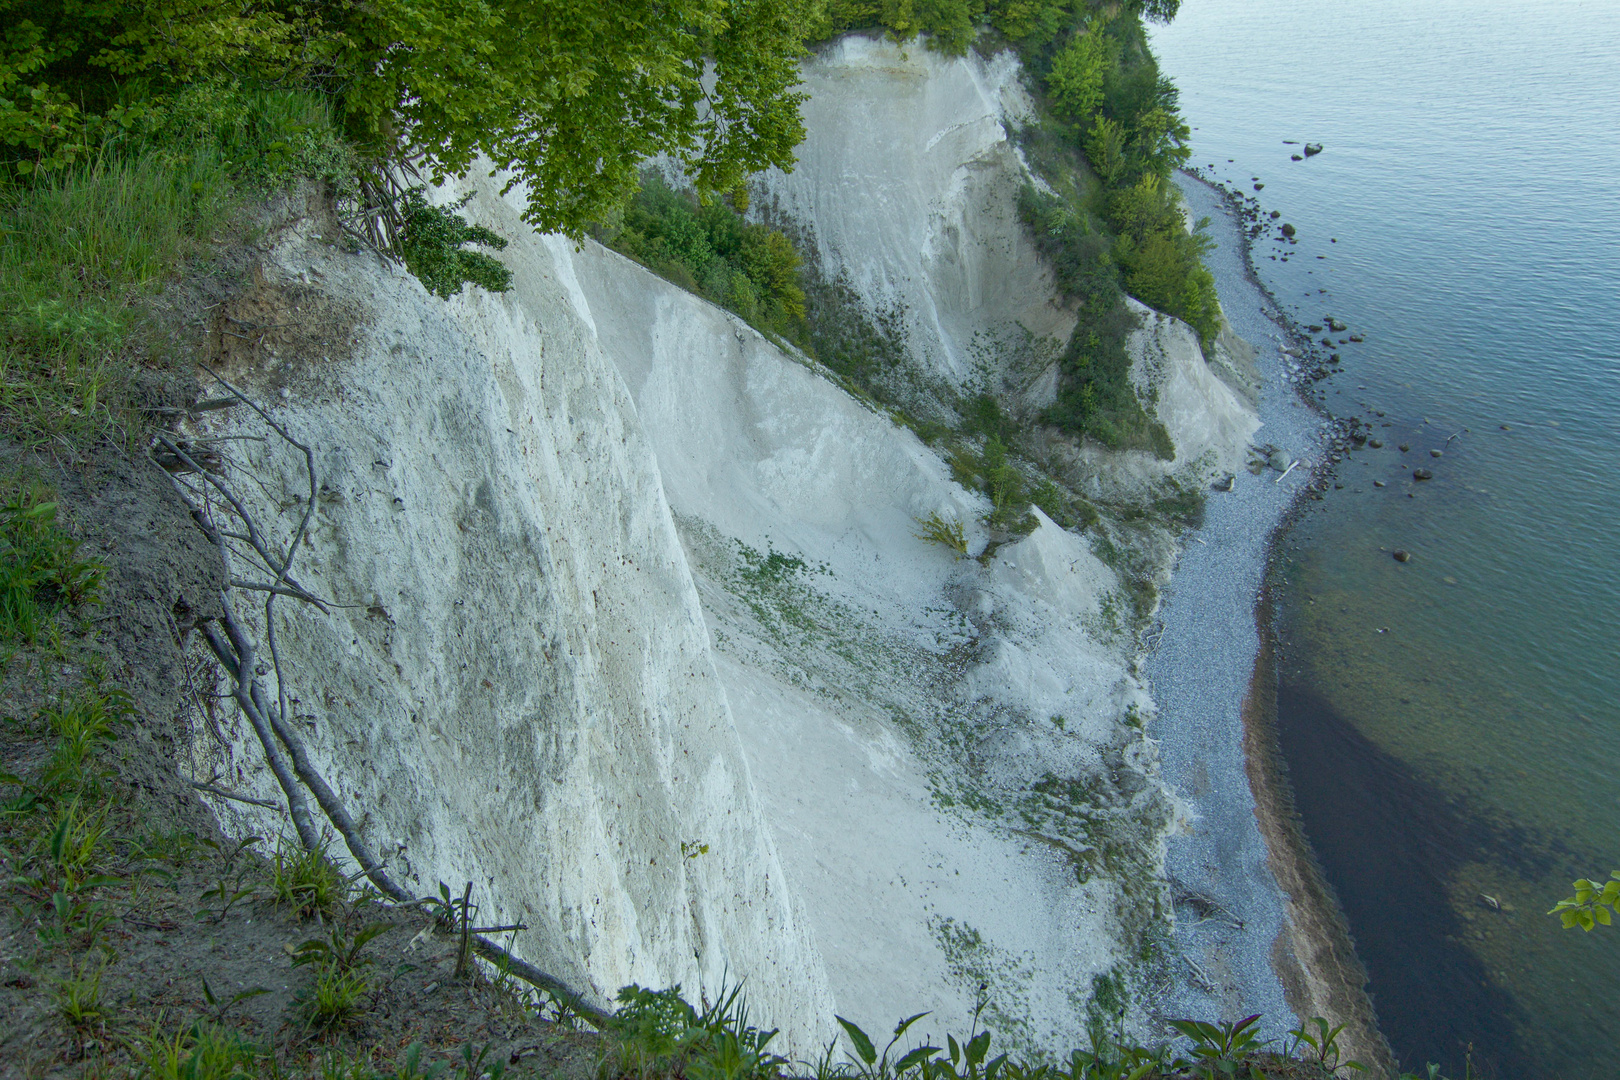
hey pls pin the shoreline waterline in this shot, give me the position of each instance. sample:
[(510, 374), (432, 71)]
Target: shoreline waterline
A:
[(1277, 942)]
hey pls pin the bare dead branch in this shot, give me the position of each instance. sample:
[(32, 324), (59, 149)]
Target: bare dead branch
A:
[(236, 652), (297, 806), (270, 804), (281, 590)]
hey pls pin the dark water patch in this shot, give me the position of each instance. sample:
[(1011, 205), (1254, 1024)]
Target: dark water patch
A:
[(1389, 843)]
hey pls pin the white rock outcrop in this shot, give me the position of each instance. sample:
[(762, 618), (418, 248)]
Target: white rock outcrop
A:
[(640, 635), (865, 666), (908, 184), (518, 689)]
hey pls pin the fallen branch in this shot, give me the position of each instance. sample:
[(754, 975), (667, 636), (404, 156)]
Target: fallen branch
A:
[(269, 804)]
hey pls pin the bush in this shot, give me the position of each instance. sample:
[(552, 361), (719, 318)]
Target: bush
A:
[(711, 250), (433, 243), (1095, 395)]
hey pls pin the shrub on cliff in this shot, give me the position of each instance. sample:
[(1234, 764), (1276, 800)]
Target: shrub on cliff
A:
[(711, 250), (433, 242)]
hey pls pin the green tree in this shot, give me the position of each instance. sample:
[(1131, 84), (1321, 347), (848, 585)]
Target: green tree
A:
[(567, 97), (1077, 76), (571, 98)]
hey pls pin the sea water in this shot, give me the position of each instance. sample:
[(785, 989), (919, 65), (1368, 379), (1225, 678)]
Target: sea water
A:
[(1450, 722)]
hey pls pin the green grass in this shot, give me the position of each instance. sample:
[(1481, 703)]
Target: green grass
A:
[(305, 881), (82, 249), (79, 250), (41, 572)]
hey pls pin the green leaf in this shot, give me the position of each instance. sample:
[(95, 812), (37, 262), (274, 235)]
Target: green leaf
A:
[(914, 1058), (863, 1045), (367, 934), (976, 1048)]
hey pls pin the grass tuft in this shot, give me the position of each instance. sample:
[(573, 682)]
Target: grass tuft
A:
[(938, 530), (306, 881), (41, 572), (77, 996)]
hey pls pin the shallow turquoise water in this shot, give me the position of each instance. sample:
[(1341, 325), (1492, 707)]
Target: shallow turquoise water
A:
[(1467, 203)]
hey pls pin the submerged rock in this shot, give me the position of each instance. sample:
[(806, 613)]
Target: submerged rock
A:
[(1402, 556), (1422, 474)]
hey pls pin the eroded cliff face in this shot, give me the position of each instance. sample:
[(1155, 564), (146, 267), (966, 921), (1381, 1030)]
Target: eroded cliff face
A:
[(639, 634), (516, 686), (907, 190)]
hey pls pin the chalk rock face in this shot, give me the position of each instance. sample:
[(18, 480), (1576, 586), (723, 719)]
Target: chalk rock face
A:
[(638, 630), (909, 186), (517, 689), (867, 667)]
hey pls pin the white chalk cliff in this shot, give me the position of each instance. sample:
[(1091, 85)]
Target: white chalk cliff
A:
[(641, 639)]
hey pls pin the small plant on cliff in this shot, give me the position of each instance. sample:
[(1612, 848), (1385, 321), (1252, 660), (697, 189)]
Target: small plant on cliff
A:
[(305, 880), (41, 572), (656, 1033), (433, 243), (340, 978), (946, 533)]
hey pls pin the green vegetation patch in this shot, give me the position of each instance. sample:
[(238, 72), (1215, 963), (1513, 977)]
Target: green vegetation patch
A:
[(86, 246), (433, 242), (41, 571), (709, 248)]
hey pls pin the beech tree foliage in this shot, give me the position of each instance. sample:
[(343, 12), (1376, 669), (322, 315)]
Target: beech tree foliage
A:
[(570, 96)]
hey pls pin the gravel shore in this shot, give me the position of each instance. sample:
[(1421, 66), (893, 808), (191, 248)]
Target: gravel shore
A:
[(1230, 909)]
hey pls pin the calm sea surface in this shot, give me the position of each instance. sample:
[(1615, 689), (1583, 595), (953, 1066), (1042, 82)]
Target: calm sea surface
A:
[(1452, 724)]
